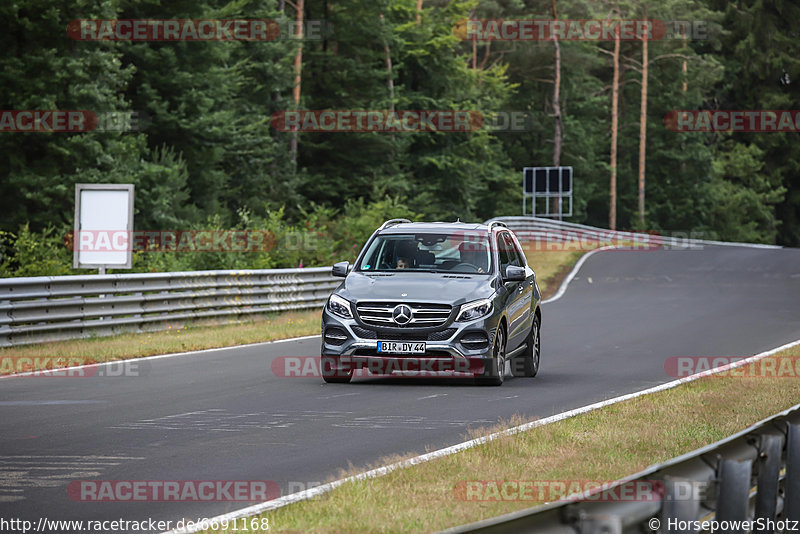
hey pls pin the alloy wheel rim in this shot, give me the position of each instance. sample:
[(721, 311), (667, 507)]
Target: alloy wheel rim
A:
[(535, 354), (500, 358)]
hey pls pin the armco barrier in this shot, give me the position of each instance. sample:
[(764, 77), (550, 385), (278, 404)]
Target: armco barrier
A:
[(752, 478), (52, 308)]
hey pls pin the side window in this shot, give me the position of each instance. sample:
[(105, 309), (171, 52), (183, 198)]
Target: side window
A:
[(515, 246), (511, 252), (502, 250)]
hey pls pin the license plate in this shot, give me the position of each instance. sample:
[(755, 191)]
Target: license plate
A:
[(402, 347)]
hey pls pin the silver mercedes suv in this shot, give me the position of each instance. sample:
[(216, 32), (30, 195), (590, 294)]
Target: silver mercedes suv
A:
[(431, 298)]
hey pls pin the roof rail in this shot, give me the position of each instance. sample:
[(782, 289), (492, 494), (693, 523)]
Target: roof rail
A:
[(393, 221), (497, 223)]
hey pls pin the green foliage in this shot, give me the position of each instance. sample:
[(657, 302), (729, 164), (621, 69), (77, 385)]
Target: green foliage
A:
[(359, 220), (28, 253), (325, 237), (742, 196), (206, 156), (759, 47)]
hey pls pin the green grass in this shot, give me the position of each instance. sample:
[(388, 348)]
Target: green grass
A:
[(178, 338), (602, 445), (551, 267)]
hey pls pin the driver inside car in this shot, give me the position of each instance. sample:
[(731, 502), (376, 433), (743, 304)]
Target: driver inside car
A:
[(406, 252), (473, 254)]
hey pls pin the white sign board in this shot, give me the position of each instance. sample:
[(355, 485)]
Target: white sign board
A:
[(103, 226)]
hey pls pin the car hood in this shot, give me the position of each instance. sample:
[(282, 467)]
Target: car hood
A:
[(418, 286)]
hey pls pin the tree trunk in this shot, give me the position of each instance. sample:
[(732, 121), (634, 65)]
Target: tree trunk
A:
[(419, 12), (612, 212), (643, 130), (388, 56), (298, 73), (474, 52), (557, 134), (685, 70), (685, 67)]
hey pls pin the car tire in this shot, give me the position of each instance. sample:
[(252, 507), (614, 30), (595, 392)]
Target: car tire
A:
[(332, 375), (526, 364), (495, 372)]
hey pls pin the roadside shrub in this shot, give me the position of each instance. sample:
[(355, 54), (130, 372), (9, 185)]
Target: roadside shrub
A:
[(322, 237)]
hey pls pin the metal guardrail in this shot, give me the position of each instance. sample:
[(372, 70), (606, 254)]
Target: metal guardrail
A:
[(52, 308), (752, 476), (548, 230), (55, 308)]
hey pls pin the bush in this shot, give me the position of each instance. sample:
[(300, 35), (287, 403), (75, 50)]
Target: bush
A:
[(35, 254), (324, 237)]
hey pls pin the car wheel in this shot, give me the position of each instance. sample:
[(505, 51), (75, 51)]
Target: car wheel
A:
[(331, 374), (527, 363), (495, 373)]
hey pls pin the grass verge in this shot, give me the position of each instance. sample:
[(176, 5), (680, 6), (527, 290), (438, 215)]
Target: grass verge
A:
[(602, 445), (195, 336), (551, 267)]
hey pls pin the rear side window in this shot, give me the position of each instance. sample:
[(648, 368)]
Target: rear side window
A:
[(502, 251), (513, 249), (506, 251)]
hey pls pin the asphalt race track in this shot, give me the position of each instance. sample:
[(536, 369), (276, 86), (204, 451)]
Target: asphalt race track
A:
[(225, 415)]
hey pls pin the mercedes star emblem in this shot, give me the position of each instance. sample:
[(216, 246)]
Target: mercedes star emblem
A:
[(401, 314)]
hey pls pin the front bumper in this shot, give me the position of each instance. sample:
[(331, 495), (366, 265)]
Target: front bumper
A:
[(453, 347)]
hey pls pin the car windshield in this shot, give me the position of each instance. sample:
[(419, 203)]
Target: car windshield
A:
[(458, 252)]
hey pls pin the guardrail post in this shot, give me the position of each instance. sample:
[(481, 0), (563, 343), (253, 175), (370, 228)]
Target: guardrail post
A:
[(792, 481), (769, 468), (585, 522), (681, 501), (601, 524), (734, 490)]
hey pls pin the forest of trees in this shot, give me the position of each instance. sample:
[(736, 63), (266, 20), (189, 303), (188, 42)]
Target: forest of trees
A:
[(204, 153)]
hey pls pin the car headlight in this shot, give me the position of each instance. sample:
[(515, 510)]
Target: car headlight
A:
[(474, 310), (339, 306)]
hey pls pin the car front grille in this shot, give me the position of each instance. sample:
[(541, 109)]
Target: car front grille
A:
[(422, 315), (428, 354), (440, 335)]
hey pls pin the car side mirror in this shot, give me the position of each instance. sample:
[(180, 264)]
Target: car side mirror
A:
[(514, 274), (340, 269)]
